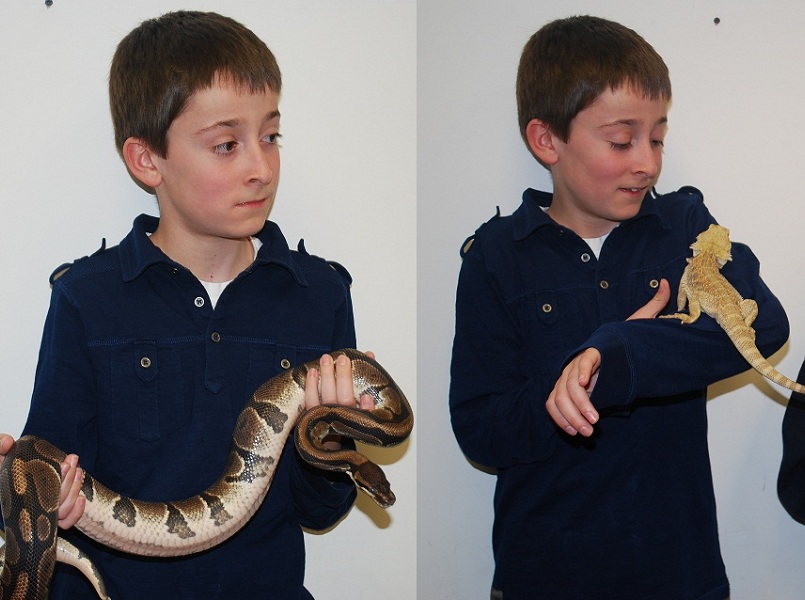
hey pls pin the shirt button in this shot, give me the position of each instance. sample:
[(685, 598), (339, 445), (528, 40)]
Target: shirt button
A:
[(585, 257), (199, 301), (145, 362), (546, 308), (604, 285), (654, 284), (216, 337), (285, 363)]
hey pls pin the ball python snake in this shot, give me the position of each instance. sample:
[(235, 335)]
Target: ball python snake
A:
[(30, 480)]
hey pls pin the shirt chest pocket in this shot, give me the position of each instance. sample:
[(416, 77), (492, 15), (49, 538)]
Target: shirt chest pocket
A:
[(151, 392), (552, 324), (266, 361)]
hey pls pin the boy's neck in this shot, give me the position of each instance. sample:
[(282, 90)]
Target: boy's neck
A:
[(208, 258)]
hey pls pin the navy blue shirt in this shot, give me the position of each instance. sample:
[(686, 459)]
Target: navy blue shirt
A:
[(791, 479), (630, 512), (159, 429)]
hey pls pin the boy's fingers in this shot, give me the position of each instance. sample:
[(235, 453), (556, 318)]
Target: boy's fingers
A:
[(332, 383), (6, 443), (567, 416), (75, 514), (558, 418), (657, 303), (70, 492), (576, 419), (69, 470), (71, 500), (366, 402), (343, 381), (328, 390), (312, 388), (569, 403)]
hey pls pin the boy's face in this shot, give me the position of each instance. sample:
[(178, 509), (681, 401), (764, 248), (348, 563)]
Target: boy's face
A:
[(612, 158), (221, 171)]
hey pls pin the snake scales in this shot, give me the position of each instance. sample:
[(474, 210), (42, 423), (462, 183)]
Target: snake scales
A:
[(30, 479)]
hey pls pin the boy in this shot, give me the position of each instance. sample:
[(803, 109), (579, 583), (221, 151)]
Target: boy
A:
[(592, 412), (151, 348), (791, 479)]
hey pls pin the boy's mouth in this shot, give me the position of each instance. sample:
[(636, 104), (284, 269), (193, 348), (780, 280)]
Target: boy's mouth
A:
[(250, 203)]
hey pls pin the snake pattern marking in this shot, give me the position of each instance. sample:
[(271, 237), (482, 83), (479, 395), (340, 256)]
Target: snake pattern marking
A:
[(704, 289), (30, 480)]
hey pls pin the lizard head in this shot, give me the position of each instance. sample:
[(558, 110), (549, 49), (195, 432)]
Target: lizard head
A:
[(715, 241)]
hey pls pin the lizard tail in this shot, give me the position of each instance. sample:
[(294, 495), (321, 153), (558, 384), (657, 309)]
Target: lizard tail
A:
[(744, 339)]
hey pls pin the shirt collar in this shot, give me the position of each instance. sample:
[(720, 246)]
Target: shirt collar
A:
[(137, 253), (530, 215)]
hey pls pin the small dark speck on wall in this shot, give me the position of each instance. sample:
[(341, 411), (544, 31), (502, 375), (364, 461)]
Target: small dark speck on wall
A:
[(48, 3), (716, 20)]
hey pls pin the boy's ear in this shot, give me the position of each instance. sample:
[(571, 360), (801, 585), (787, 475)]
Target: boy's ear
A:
[(139, 159), (541, 141)]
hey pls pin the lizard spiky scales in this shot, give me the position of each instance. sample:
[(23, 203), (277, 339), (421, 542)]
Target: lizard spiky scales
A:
[(704, 289)]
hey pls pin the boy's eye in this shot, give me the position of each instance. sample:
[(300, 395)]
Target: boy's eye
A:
[(273, 138), (657, 143), (224, 148)]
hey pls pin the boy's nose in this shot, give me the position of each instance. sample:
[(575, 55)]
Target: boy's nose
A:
[(260, 166), (649, 161)]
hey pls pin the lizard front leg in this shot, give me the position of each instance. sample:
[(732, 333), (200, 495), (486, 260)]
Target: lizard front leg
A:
[(694, 310)]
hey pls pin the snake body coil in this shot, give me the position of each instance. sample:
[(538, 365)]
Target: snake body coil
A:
[(30, 480)]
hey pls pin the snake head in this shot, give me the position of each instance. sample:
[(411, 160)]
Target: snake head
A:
[(371, 479)]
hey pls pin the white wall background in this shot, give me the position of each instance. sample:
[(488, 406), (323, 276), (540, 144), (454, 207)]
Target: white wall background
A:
[(348, 187), (352, 93), (735, 131)]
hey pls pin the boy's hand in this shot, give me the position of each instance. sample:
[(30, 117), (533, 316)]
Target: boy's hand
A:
[(6, 444), (569, 403), (653, 307), (71, 501), (332, 384)]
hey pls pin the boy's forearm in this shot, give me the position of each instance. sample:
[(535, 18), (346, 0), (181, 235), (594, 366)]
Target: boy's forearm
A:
[(321, 498), (654, 358), (505, 429), (662, 357)]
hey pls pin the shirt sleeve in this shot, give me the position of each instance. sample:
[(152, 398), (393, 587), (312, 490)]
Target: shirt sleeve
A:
[(497, 412), (497, 403), (62, 407), (322, 497), (64, 401), (791, 479), (649, 358)]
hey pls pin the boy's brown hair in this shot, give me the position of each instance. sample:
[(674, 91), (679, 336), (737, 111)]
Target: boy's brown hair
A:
[(164, 61), (569, 62)]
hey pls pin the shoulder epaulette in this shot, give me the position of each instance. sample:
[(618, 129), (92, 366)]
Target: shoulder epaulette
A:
[(685, 189), (63, 268), (690, 190), (465, 247), (337, 267)]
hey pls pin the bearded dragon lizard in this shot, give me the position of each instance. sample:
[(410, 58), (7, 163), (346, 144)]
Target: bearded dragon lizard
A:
[(704, 288)]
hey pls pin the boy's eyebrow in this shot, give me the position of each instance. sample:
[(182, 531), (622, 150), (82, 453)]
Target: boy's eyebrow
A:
[(632, 122), (231, 123)]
